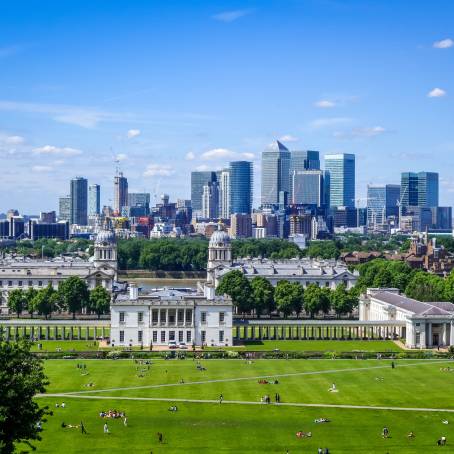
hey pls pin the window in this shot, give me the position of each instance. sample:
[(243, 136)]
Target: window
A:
[(10, 283), (180, 336), (188, 316), (155, 337), (154, 317), (139, 336), (172, 316), (180, 315), (1, 283), (221, 318), (203, 318), (221, 336), (203, 336), (163, 316), (30, 283), (327, 284), (122, 336), (140, 317), (19, 283), (40, 283), (163, 336), (171, 335), (188, 337), (122, 317)]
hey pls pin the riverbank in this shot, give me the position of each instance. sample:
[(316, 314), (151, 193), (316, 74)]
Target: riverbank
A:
[(146, 274)]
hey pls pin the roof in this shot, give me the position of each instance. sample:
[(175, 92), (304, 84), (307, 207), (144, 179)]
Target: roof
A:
[(415, 306)]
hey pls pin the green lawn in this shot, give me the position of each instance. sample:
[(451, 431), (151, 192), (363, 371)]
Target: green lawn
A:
[(247, 426), (66, 345)]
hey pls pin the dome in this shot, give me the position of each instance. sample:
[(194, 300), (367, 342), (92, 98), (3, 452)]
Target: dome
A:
[(105, 237), (219, 238)]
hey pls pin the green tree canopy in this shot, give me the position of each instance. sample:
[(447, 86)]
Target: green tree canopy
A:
[(17, 301), (99, 301), (342, 301), (289, 297), (21, 377), (316, 299), (263, 295), (74, 294), (426, 287), (43, 302), (238, 287)]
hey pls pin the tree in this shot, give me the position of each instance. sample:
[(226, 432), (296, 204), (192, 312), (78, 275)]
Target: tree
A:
[(74, 294), (44, 302), (316, 299), (426, 287), (21, 378), (342, 301), (262, 294), (30, 296), (17, 301), (289, 297), (238, 287), (99, 300)]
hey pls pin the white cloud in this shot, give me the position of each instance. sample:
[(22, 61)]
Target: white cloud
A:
[(190, 156), (153, 170), (230, 16), (14, 140), (133, 133), (224, 153), (369, 131), (42, 168), (329, 122), (288, 138), (325, 104), (436, 93), (444, 43), (52, 150), (121, 157)]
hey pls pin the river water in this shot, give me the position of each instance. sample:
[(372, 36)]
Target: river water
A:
[(149, 284)]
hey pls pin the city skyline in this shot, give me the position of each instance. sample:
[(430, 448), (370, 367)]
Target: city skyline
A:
[(327, 94)]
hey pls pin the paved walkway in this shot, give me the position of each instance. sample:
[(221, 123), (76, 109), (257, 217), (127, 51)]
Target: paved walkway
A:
[(257, 377)]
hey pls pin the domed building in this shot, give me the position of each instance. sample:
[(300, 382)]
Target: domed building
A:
[(106, 251), (219, 253)]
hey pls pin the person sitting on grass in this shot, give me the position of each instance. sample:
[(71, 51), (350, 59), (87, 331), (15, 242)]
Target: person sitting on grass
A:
[(411, 435), (320, 420), (333, 388), (173, 408)]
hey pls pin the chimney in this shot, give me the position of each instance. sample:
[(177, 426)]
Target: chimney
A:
[(133, 292), (209, 292)]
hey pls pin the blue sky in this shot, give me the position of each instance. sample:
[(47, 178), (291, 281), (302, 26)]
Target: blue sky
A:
[(172, 86)]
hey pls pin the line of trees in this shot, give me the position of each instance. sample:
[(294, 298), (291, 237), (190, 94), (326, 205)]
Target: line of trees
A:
[(72, 296), (258, 296)]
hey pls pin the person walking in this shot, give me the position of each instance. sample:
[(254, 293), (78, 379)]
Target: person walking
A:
[(221, 398), (106, 428), (125, 421), (82, 428), (160, 437)]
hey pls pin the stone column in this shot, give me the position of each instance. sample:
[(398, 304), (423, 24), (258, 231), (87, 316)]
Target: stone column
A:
[(451, 336), (87, 333), (429, 339), (79, 333), (103, 332), (422, 335), (46, 335)]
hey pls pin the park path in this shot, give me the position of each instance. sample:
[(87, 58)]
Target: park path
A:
[(245, 402), (257, 377)]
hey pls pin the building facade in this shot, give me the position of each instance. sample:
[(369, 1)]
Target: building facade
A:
[(198, 181), (307, 187), (224, 194), (304, 160), (64, 208), (79, 193), (419, 189), (210, 201), (241, 183), (382, 202), (120, 193), (94, 200), (340, 173)]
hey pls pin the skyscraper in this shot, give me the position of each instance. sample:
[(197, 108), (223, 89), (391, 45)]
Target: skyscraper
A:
[(275, 173), (79, 188), (419, 189), (224, 194), (382, 202), (64, 208), (241, 178), (198, 181), (307, 187), (210, 201), (94, 199), (304, 160), (120, 193), (340, 171)]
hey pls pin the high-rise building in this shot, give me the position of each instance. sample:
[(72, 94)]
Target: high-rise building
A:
[(120, 192), (94, 199), (304, 160), (139, 199), (382, 202), (340, 170), (79, 189), (419, 189), (210, 201), (240, 225), (224, 194), (64, 208), (307, 187), (48, 217), (241, 178), (198, 181), (275, 173)]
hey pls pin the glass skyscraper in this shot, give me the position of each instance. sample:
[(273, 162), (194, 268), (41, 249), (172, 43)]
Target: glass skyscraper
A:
[(307, 187), (340, 172), (304, 160), (198, 181), (94, 199), (120, 193), (241, 178), (381, 203), (79, 191), (419, 189), (275, 173)]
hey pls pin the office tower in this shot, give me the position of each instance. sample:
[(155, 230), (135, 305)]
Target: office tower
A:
[(240, 225), (183, 203), (94, 200), (382, 202), (11, 213), (210, 201), (79, 191), (301, 161), (224, 194), (64, 208), (301, 224), (275, 173), (139, 203), (241, 179), (419, 189), (198, 181), (340, 169), (16, 227), (442, 218), (48, 217), (120, 192), (307, 187), (57, 230)]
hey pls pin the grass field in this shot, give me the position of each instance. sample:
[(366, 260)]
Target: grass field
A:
[(415, 396)]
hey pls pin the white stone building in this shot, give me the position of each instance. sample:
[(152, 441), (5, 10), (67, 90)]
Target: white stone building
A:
[(324, 273), (427, 325), (163, 316), (23, 273)]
